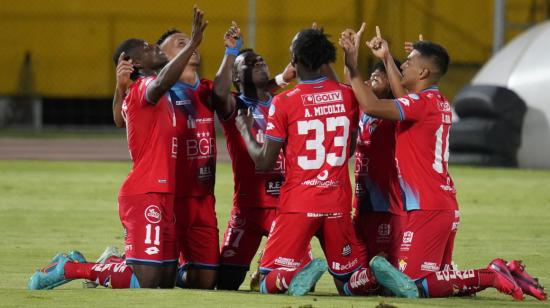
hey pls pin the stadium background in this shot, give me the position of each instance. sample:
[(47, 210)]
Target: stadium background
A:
[(60, 50)]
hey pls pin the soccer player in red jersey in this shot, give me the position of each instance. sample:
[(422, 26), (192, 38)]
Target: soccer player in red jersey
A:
[(146, 197), (256, 195), (424, 119), (379, 215), (314, 123)]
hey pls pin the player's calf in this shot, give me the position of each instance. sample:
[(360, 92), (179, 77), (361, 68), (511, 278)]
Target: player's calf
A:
[(231, 277)]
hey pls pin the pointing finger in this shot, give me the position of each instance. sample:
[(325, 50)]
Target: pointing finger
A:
[(420, 37), (378, 34)]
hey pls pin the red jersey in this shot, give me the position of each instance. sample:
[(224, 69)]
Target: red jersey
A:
[(253, 188), (376, 180), (315, 120), (196, 163), (423, 151), (152, 141)]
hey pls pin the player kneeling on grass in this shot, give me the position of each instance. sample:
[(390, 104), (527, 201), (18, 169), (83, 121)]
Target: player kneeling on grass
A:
[(315, 123), (146, 197), (428, 191)]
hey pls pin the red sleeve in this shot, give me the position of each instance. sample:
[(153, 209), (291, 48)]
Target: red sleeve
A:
[(141, 90), (277, 121), (412, 107)]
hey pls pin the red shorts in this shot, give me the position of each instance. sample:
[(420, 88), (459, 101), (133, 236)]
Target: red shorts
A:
[(197, 231), (292, 233), (150, 235), (244, 233), (427, 242), (381, 232)]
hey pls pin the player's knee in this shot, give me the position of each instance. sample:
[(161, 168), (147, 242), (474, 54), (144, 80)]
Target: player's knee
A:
[(202, 278), (149, 277), (230, 277)]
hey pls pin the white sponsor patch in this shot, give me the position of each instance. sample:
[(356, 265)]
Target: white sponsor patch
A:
[(404, 101), (271, 110), (322, 98)]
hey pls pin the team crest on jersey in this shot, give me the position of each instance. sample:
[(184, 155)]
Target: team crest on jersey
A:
[(414, 96), (153, 214), (271, 110), (407, 237), (402, 264), (322, 98)]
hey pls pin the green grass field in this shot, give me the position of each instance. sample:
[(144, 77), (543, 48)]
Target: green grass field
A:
[(47, 207)]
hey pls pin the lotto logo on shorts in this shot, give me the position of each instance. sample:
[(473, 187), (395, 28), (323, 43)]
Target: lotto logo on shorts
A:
[(153, 214), (346, 251), (322, 98)]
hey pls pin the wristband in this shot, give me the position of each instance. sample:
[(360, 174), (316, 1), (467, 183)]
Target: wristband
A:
[(280, 81), (232, 51)]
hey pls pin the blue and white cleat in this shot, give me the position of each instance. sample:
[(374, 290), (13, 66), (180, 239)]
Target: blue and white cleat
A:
[(51, 276), (393, 279), (307, 277)]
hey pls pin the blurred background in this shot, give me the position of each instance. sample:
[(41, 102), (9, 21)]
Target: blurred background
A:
[(57, 54)]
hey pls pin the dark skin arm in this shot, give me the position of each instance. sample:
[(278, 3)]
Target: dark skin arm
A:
[(264, 155), (224, 102), (369, 103), (170, 74)]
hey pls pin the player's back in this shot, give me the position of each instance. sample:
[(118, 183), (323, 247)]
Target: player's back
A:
[(423, 150), (315, 120)]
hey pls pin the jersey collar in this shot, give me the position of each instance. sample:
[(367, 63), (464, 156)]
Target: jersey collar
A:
[(430, 88), (311, 81)]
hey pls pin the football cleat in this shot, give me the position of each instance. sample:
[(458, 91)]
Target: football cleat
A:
[(51, 276), (392, 279), (307, 277), (504, 281), (526, 282), (110, 253)]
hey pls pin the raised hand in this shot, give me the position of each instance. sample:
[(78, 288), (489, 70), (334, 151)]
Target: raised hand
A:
[(350, 50), (244, 120), (289, 73), (232, 38), (198, 26), (124, 69), (409, 45), (378, 45)]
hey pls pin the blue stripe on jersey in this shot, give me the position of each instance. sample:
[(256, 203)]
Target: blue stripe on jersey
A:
[(180, 98), (431, 88), (274, 138), (401, 113), (411, 200), (320, 79), (251, 102), (378, 200)]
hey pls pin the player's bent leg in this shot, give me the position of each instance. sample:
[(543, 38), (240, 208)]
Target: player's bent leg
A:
[(197, 278), (230, 277), (469, 282)]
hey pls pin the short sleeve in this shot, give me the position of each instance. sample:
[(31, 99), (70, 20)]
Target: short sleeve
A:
[(140, 91), (412, 107), (277, 121)]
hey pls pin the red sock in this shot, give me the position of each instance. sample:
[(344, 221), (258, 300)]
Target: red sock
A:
[(277, 280), (113, 275), (457, 283), (361, 282)]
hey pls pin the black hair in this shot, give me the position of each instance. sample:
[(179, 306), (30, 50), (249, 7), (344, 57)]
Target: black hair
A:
[(380, 66), (245, 50), (435, 52), (166, 35), (312, 49), (128, 47)]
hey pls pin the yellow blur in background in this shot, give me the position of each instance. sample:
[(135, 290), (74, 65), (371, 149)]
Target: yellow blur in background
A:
[(70, 42)]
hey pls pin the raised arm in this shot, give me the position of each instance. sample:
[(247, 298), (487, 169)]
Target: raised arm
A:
[(380, 49), (224, 101), (264, 155), (369, 103), (170, 74), (123, 70), (356, 37)]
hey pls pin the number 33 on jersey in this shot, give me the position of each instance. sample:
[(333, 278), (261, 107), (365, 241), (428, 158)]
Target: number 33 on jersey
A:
[(315, 120)]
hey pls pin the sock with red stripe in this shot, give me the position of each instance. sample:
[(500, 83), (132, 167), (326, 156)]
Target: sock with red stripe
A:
[(111, 275), (361, 282), (277, 281), (456, 283)]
